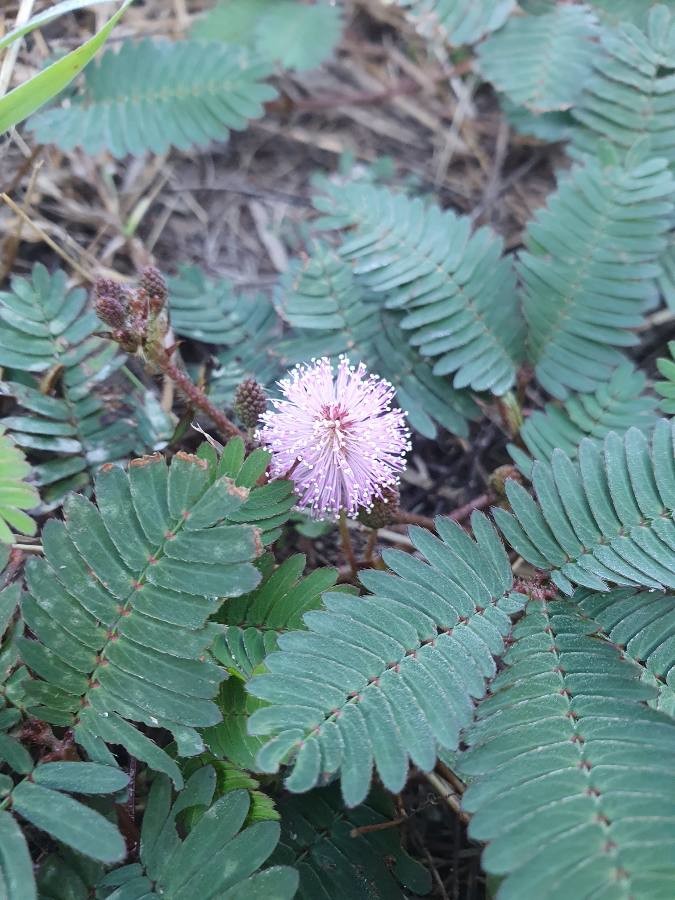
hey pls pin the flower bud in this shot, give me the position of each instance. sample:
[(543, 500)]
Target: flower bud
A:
[(111, 310), (382, 511), (153, 283), (250, 402)]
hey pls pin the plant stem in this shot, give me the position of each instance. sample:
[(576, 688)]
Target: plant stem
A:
[(458, 515), (370, 546), (347, 547), (195, 394)]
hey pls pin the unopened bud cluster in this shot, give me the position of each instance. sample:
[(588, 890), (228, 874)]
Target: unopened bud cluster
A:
[(250, 402), (137, 316)]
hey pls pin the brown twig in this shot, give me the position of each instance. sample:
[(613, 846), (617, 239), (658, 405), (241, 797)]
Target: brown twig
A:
[(458, 515)]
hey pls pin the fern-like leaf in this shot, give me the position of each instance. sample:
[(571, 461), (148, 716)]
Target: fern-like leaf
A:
[(666, 388), (387, 679), (571, 771), (40, 795), (458, 21), (316, 838), (632, 93), (220, 857), (642, 623), (590, 270), (618, 405), (47, 330), (458, 292), (253, 625), (542, 62), (155, 95), (16, 495), (119, 604), (605, 519), (621, 12), (321, 298)]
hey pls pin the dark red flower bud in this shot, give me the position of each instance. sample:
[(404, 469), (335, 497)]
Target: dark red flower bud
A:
[(111, 310), (153, 283), (250, 402)]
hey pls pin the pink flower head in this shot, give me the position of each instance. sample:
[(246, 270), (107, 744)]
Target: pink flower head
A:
[(337, 435)]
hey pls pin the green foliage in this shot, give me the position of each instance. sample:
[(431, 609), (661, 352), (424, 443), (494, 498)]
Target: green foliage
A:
[(456, 289), (385, 680), (28, 97), (589, 270), (666, 388), (605, 519), (560, 786), (617, 405), (317, 839), (632, 93), (253, 624), (119, 604), (47, 331), (542, 62), (221, 857), (246, 327), (458, 21), (294, 34), (155, 95), (16, 495), (40, 796), (642, 624), (323, 301)]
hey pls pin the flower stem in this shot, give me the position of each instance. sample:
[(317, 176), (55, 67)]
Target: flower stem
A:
[(195, 395), (347, 547)]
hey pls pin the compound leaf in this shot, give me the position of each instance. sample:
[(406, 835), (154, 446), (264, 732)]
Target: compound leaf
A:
[(606, 518), (153, 95)]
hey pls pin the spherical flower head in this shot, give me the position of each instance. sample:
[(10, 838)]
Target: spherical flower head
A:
[(336, 436)]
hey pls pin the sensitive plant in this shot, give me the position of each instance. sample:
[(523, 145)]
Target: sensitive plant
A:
[(188, 708)]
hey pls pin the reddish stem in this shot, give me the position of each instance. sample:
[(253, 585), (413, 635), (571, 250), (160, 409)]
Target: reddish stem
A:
[(196, 395)]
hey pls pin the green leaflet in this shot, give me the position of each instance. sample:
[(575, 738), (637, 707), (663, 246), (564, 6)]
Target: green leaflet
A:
[(616, 405), (582, 296), (119, 605), (385, 680), (642, 623), (155, 95), (15, 494), (542, 62), (631, 95), (458, 292), (219, 858), (666, 388), (333, 314), (253, 625), (44, 327), (458, 21), (605, 519), (561, 789)]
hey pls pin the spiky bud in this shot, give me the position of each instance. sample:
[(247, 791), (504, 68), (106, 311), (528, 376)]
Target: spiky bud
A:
[(498, 479), (108, 287), (153, 283), (111, 310), (383, 510), (250, 402)]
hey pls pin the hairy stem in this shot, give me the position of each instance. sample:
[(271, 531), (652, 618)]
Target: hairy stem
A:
[(195, 395)]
